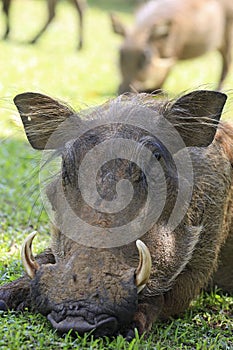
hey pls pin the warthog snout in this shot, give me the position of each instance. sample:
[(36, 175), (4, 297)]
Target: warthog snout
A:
[(133, 59), (89, 303), (98, 324)]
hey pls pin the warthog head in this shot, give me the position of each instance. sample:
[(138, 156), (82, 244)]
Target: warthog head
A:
[(144, 59), (166, 31), (119, 181)]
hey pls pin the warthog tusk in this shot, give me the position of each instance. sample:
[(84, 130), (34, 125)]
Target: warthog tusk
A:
[(28, 260), (144, 267)]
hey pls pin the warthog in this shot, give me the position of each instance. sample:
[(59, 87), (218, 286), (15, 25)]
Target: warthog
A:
[(166, 31), (108, 271), (51, 4)]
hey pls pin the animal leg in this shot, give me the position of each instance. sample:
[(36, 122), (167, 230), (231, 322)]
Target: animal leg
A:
[(148, 311), (223, 277), (16, 295), (51, 14), (173, 303), (6, 9), (80, 6), (225, 51)]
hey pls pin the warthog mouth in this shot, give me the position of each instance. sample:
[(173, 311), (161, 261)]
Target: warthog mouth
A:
[(101, 325), (86, 317), (83, 317)]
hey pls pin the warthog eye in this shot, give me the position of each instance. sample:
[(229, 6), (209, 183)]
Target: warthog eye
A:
[(157, 155), (156, 148)]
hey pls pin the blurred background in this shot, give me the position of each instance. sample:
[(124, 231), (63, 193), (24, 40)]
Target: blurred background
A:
[(55, 67)]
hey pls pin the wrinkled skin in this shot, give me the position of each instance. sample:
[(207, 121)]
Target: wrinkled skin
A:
[(51, 7), (165, 31), (87, 288)]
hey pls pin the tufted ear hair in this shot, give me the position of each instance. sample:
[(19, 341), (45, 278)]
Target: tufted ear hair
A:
[(42, 117), (196, 116)]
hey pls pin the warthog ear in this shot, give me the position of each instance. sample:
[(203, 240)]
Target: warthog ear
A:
[(196, 116), (117, 26), (41, 116)]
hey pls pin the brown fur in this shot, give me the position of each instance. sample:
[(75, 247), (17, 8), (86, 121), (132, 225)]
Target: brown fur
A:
[(224, 138)]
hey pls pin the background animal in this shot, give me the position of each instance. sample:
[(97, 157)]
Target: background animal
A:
[(51, 6), (166, 31), (84, 285)]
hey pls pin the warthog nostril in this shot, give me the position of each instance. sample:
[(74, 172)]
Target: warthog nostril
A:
[(103, 327)]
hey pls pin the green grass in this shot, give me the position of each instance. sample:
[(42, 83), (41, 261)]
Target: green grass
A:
[(205, 326), (54, 67)]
